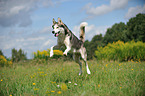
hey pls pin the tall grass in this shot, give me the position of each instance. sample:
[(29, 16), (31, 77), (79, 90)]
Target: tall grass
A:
[(122, 51), (59, 78)]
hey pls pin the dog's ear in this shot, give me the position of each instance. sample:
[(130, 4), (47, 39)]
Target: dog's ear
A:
[(59, 21), (54, 21)]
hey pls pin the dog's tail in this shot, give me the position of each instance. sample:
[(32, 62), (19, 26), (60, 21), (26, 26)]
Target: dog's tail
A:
[(82, 31)]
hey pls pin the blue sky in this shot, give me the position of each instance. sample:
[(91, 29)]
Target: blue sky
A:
[(26, 24)]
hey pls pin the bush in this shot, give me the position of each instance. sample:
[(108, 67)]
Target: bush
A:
[(41, 55), (57, 53), (46, 53), (122, 51), (4, 62)]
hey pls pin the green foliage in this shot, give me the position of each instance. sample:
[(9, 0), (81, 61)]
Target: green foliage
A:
[(46, 53), (115, 33), (92, 45), (1, 53), (133, 30), (122, 51), (58, 78), (18, 55), (136, 28), (4, 61)]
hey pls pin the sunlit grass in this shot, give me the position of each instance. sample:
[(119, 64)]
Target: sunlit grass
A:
[(43, 78)]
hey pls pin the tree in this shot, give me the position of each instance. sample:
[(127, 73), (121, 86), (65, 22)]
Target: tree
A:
[(115, 33), (18, 55), (1, 53), (14, 55), (92, 45), (136, 28)]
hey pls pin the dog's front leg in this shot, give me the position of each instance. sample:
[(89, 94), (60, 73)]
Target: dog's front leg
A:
[(51, 51), (67, 44), (68, 48), (54, 48)]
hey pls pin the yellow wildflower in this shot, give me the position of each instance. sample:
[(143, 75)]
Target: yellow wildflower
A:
[(59, 92), (52, 91), (58, 52), (34, 83), (99, 85), (1, 79), (132, 69), (132, 60)]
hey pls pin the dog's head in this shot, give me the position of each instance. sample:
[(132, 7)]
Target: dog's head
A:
[(58, 27)]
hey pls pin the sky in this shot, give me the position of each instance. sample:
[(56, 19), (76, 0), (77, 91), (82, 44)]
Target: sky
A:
[(26, 24)]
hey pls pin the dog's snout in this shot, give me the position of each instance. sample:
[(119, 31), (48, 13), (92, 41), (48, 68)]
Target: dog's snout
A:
[(53, 32)]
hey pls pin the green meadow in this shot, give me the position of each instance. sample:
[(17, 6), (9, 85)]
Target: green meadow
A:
[(40, 77)]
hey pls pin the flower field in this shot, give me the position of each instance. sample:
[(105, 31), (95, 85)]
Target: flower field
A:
[(60, 78), (110, 75)]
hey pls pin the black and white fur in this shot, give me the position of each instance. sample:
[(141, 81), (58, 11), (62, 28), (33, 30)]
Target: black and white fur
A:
[(68, 39)]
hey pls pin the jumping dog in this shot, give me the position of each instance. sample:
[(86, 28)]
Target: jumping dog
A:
[(70, 41)]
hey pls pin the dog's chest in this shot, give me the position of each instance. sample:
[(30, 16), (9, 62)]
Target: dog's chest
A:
[(67, 40), (61, 38)]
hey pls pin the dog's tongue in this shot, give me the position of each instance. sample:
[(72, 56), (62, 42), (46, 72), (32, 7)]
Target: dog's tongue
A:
[(56, 35)]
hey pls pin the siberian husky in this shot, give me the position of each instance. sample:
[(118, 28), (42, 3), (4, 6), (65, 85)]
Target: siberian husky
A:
[(70, 41)]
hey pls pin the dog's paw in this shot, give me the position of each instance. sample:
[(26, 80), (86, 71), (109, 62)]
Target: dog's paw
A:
[(65, 54), (88, 71), (80, 74)]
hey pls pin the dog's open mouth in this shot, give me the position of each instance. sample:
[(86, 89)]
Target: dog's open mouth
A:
[(56, 34)]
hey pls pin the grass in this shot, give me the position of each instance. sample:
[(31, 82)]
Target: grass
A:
[(60, 78)]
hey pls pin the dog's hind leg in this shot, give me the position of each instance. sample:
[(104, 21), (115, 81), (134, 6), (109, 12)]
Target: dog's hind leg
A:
[(76, 57), (84, 57)]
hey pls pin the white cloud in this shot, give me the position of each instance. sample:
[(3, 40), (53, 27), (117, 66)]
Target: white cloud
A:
[(18, 12), (49, 42), (103, 9), (46, 29), (12, 12), (16, 9), (133, 11), (35, 38)]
